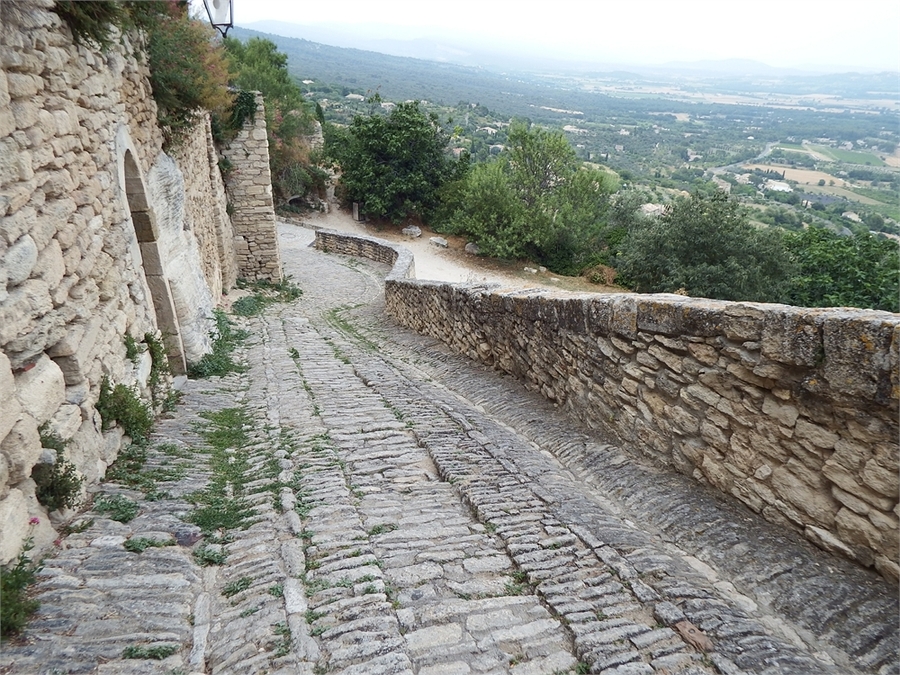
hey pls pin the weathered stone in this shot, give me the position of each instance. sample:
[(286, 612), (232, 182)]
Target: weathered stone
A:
[(785, 413), (9, 404), (13, 524), (19, 260), (41, 389), (22, 448)]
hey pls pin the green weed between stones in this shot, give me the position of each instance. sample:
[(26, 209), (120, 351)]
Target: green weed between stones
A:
[(233, 588), (207, 555), (16, 606), (221, 505), (220, 361), (282, 646), (265, 293), (335, 318), (155, 652), (141, 544), (118, 507)]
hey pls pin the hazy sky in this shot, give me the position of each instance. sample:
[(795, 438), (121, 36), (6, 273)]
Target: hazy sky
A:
[(860, 33)]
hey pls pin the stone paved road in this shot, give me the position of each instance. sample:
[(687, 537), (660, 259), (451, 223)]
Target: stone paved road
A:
[(407, 511)]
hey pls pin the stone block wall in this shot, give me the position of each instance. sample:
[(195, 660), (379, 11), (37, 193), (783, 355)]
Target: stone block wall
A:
[(792, 411), (102, 235), (249, 188)]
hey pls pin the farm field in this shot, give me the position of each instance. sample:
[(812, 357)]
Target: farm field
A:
[(803, 176), (848, 156)]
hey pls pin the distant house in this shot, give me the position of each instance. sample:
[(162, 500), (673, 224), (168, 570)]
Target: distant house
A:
[(620, 148), (387, 105), (722, 184), (850, 215), (574, 130), (355, 97), (777, 186), (490, 131)]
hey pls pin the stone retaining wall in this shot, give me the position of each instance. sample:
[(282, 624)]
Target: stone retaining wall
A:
[(102, 236), (792, 411)]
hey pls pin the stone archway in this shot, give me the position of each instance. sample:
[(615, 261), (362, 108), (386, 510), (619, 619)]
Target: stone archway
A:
[(147, 235)]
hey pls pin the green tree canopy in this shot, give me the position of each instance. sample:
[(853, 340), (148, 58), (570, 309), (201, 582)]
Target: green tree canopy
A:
[(835, 271), (257, 65), (395, 164), (534, 200), (704, 245)]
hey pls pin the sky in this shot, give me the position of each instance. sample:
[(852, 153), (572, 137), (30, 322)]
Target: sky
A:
[(862, 34)]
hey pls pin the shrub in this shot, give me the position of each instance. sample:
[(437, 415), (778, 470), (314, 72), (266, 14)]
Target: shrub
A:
[(219, 361), (122, 405), (58, 485), (16, 606)]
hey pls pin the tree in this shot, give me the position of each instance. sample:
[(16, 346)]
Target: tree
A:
[(395, 164), (257, 65), (534, 200), (834, 271), (704, 245)]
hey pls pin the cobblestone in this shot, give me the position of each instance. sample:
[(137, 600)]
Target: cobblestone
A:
[(411, 512)]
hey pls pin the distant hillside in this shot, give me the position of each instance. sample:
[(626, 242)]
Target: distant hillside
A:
[(396, 77), (402, 78)]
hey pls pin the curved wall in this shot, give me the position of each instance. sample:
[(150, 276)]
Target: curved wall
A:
[(792, 411)]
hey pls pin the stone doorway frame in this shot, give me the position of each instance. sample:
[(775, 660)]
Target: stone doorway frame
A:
[(144, 225)]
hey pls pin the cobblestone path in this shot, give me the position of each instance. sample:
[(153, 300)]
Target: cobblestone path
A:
[(403, 510)]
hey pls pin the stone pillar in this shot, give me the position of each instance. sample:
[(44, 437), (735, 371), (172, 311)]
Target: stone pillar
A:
[(249, 190)]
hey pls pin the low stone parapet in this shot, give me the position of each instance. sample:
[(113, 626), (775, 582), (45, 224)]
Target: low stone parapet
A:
[(792, 411)]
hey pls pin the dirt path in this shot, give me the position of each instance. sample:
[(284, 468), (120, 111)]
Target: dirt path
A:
[(453, 264)]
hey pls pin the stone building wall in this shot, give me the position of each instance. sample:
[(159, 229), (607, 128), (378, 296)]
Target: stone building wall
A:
[(792, 411), (249, 187), (102, 235)]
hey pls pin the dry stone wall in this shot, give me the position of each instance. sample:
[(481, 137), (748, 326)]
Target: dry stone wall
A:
[(249, 186), (792, 411), (102, 236)]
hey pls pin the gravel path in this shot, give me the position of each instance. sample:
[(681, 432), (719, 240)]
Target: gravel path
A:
[(404, 510)]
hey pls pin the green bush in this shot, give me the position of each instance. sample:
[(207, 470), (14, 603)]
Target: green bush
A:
[(118, 507), (16, 606), (122, 405), (58, 484), (220, 362)]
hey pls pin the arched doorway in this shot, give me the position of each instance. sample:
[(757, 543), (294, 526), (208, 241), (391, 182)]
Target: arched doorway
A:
[(147, 234)]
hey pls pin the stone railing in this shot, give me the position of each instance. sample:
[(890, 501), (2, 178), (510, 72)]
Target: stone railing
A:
[(792, 411)]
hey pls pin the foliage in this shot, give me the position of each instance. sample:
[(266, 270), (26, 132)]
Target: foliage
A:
[(119, 507), (16, 606), (234, 587), (704, 245), (835, 271), (141, 544), (187, 72), (395, 164), (221, 505), (155, 652), (266, 293), (187, 69), (91, 22), (535, 200), (122, 405), (58, 484), (205, 556), (219, 361), (159, 366)]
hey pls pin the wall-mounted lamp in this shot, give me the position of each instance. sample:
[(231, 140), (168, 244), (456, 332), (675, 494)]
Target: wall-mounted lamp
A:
[(220, 14)]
